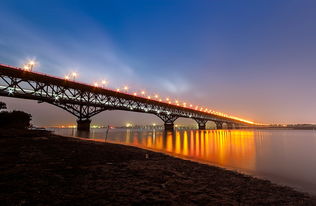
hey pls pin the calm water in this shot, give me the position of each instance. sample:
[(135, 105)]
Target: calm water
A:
[(284, 156)]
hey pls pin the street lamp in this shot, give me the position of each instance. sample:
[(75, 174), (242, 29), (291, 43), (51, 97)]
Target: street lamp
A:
[(26, 67), (104, 83), (31, 64), (74, 75)]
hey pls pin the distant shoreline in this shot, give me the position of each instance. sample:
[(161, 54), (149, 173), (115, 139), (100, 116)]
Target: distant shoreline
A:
[(41, 168)]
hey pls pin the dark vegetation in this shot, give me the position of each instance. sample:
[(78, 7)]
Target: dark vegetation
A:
[(14, 119)]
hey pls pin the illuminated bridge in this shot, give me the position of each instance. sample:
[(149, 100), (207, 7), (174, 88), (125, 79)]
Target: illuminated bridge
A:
[(84, 101)]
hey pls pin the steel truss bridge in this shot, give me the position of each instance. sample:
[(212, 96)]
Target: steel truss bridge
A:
[(85, 101)]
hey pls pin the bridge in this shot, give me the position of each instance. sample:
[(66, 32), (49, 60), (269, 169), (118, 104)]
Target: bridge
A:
[(84, 101)]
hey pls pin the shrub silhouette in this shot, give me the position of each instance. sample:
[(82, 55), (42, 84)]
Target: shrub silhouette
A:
[(15, 119), (3, 106)]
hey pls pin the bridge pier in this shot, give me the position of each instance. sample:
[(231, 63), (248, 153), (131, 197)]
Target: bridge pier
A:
[(169, 126), (201, 123), (230, 125), (83, 124), (168, 119), (219, 125)]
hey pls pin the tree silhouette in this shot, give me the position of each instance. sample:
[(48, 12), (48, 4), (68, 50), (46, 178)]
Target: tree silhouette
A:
[(15, 119), (3, 106)]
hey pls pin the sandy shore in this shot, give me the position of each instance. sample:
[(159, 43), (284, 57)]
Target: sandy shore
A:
[(41, 169)]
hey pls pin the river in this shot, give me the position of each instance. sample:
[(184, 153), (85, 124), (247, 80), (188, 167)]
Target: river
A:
[(286, 157)]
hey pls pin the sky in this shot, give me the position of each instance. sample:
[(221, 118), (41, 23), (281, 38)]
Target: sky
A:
[(252, 59)]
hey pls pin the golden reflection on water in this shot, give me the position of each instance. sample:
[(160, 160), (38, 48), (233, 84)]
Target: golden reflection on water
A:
[(233, 148)]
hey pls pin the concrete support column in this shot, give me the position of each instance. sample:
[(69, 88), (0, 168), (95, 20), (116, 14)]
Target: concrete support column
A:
[(168, 119), (201, 123), (230, 125), (219, 125), (83, 124), (202, 126), (169, 126)]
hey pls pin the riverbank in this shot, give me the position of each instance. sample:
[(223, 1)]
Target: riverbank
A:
[(39, 168)]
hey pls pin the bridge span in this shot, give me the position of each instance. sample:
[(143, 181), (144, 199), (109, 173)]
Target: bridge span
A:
[(84, 101)]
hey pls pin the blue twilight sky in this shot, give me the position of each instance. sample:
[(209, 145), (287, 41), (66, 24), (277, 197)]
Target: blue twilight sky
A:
[(254, 59)]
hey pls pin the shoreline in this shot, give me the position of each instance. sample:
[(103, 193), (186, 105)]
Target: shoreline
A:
[(63, 170), (279, 180)]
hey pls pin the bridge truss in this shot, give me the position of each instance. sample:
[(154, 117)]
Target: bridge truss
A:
[(85, 101)]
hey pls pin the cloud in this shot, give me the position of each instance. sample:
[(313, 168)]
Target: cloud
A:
[(89, 51), (178, 85)]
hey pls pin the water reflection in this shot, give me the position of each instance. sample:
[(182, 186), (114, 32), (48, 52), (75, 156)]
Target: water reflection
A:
[(279, 155), (222, 147), (233, 148)]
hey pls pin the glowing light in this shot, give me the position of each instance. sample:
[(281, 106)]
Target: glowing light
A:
[(96, 84), (11, 90), (29, 65), (129, 124), (26, 67), (156, 96), (149, 97), (126, 88), (74, 75), (143, 92), (135, 94), (117, 90), (104, 82), (66, 77)]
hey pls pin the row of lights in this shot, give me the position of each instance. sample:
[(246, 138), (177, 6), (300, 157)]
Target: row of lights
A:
[(72, 76), (29, 66)]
